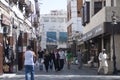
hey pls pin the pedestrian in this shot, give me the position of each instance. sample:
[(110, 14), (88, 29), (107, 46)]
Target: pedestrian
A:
[(29, 63), (51, 59), (46, 60), (79, 58), (69, 58), (40, 58), (57, 61), (103, 62), (62, 57)]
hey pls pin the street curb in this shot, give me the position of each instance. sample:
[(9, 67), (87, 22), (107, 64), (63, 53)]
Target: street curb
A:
[(7, 75)]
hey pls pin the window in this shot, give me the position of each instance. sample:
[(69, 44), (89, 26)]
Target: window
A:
[(53, 19), (60, 20), (112, 2), (97, 6), (46, 19), (65, 19), (51, 37), (104, 3), (63, 37), (87, 12)]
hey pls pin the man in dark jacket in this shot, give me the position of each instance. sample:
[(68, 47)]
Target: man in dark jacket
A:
[(40, 55)]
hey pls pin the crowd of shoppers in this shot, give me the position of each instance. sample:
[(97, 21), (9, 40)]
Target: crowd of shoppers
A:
[(51, 60), (55, 59)]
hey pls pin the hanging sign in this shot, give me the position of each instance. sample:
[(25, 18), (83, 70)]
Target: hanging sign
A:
[(5, 20)]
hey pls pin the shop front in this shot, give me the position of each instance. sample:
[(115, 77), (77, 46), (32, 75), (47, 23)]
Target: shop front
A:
[(101, 37), (8, 55), (93, 44)]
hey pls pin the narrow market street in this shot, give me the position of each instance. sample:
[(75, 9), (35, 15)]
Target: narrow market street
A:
[(74, 73), (57, 33)]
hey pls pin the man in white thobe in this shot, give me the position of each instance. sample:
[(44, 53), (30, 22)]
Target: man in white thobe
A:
[(103, 62)]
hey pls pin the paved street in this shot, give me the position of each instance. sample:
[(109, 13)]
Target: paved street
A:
[(73, 74)]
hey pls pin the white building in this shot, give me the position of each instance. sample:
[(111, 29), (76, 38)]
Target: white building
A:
[(52, 26)]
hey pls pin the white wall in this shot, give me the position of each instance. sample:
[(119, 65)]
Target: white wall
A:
[(52, 27)]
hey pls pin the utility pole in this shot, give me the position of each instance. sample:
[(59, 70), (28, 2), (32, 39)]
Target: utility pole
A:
[(114, 22)]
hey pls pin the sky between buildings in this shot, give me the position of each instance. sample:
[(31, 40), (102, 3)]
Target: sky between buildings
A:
[(47, 5)]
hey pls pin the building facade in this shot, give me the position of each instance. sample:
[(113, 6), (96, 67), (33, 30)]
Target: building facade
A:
[(17, 29), (53, 29), (74, 22), (98, 30)]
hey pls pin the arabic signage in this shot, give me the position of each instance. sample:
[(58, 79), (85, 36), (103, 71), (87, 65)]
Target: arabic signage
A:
[(94, 32)]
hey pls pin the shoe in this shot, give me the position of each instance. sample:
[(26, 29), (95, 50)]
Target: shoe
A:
[(46, 70), (98, 73)]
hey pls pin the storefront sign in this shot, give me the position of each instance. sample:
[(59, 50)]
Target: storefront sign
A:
[(5, 20), (94, 32)]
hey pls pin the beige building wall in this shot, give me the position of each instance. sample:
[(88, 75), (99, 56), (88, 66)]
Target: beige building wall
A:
[(117, 53), (104, 15), (95, 20)]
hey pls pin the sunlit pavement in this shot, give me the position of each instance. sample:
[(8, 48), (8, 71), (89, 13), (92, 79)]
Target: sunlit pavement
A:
[(73, 74)]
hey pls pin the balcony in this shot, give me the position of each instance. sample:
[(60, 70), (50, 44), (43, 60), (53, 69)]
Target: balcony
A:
[(104, 15)]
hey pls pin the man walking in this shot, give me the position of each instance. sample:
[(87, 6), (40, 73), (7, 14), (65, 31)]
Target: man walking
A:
[(40, 55), (62, 57), (103, 62), (56, 60)]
